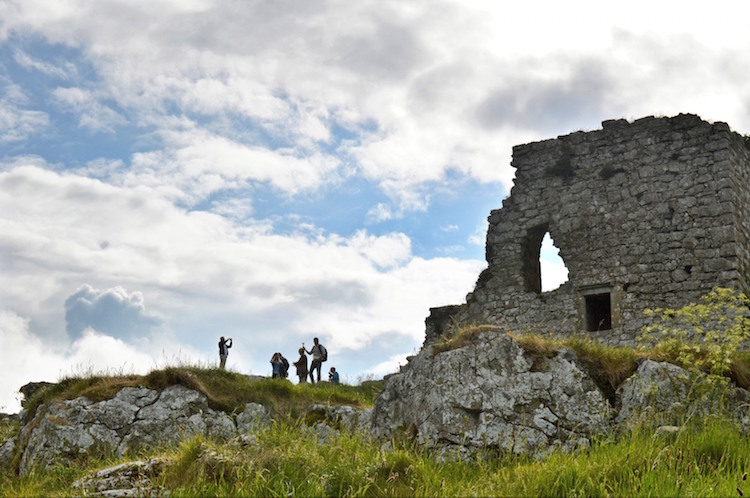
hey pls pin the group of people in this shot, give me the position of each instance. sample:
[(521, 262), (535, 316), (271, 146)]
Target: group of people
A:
[(319, 355), (280, 365)]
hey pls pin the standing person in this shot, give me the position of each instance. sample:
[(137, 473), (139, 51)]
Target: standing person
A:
[(301, 365), (276, 365), (284, 366), (319, 355), (224, 346), (333, 376)]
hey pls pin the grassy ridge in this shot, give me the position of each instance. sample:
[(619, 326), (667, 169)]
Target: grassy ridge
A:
[(225, 390)]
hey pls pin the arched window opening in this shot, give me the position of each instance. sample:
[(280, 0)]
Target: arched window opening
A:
[(553, 269), (543, 268)]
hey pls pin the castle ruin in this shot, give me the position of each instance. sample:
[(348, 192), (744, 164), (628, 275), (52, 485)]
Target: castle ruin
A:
[(650, 213)]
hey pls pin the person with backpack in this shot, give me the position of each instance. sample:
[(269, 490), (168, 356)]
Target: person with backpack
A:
[(224, 346), (284, 366), (319, 354)]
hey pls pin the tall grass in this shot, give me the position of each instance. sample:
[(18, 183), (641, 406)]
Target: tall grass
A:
[(705, 459), (708, 457)]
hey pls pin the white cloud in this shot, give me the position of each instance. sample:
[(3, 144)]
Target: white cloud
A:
[(552, 267), (93, 114), (202, 275), (64, 70), (27, 358), (17, 121), (380, 212), (196, 164), (391, 365), (424, 88)]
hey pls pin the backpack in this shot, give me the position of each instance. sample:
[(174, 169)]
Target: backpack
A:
[(323, 353)]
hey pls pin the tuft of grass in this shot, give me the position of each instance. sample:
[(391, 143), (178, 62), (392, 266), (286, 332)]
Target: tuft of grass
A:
[(739, 371), (609, 366), (537, 344), (461, 336), (614, 363)]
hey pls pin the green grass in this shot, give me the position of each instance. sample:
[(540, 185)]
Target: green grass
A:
[(9, 427), (709, 457)]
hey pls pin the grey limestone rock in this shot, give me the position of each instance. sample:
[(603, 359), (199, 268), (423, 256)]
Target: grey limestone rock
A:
[(255, 416), (135, 418), (6, 452), (342, 417), (663, 393), (126, 479), (492, 394)]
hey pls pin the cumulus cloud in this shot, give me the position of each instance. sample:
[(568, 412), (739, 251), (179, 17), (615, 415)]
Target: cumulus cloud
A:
[(196, 163), (202, 275), (112, 311), (417, 90), (27, 358)]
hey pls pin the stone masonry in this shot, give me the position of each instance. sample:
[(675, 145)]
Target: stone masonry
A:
[(649, 213)]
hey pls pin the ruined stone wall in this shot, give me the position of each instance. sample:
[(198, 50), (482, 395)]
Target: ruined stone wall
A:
[(740, 159), (652, 213)]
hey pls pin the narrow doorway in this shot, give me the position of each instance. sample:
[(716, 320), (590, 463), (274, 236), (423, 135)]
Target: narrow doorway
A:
[(598, 312)]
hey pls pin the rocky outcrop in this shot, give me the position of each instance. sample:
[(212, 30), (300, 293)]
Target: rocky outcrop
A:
[(489, 395), (492, 395), (662, 393), (135, 418)]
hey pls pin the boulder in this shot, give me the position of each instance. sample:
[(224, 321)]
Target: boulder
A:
[(126, 479), (662, 393), (492, 394), (340, 417), (135, 418), (255, 416)]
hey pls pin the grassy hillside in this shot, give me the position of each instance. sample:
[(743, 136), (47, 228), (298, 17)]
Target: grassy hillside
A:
[(707, 457)]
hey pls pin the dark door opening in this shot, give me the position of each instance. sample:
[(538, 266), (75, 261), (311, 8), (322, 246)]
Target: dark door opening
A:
[(598, 312)]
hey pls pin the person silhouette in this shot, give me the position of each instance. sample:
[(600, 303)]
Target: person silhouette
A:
[(224, 346)]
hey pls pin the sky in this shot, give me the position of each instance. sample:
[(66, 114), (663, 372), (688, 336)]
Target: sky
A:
[(173, 171)]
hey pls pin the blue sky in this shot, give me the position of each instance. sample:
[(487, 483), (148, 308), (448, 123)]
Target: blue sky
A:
[(173, 171)]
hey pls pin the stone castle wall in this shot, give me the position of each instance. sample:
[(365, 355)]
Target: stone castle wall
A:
[(652, 213)]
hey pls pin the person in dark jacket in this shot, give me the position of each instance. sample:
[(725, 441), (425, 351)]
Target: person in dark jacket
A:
[(276, 365), (301, 365), (224, 345)]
